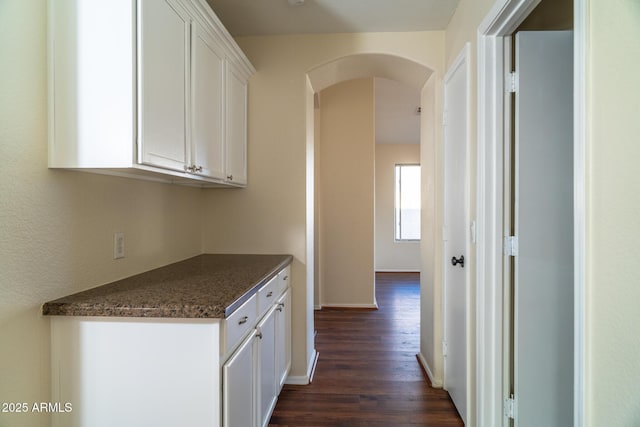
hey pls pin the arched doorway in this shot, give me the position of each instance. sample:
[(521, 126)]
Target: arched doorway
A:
[(425, 80)]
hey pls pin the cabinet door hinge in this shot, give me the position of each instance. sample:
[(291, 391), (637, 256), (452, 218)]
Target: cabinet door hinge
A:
[(512, 82), (445, 349), (510, 407), (511, 245)]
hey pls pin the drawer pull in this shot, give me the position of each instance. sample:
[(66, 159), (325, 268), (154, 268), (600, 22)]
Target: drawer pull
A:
[(243, 320), (285, 277), (270, 294), (259, 334)]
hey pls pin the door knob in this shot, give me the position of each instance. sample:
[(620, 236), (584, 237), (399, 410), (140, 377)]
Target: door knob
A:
[(455, 261)]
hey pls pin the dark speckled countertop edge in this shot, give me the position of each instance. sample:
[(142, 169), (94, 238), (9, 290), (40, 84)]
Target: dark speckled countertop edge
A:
[(254, 289), (122, 298)]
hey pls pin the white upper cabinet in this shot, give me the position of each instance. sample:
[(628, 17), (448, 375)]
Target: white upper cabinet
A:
[(151, 89), (207, 78), (236, 125), (163, 69)]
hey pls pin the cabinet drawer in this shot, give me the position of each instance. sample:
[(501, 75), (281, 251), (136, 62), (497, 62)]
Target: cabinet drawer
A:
[(268, 294), (285, 278), (240, 321)]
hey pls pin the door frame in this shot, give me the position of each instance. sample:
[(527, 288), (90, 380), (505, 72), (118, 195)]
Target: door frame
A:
[(461, 62), (501, 21)]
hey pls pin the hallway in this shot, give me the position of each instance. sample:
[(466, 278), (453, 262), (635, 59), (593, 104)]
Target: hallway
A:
[(367, 373)]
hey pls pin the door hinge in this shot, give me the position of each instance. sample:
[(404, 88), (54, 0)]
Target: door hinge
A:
[(510, 407), (445, 348), (511, 245), (512, 82)]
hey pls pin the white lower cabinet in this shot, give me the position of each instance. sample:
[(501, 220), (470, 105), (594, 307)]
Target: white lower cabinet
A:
[(145, 372), (166, 372), (283, 339), (255, 373), (238, 390), (267, 367)]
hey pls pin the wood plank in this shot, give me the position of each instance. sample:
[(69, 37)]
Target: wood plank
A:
[(367, 373)]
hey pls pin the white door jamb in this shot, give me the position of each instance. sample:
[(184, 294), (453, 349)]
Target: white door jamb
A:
[(501, 21)]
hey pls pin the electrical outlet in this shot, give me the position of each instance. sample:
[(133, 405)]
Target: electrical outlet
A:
[(118, 245)]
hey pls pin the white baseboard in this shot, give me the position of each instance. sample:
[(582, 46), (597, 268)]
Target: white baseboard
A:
[(425, 365), (305, 379), (331, 305), (397, 270), (317, 307)]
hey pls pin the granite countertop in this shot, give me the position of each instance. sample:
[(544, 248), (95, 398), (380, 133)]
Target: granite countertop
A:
[(205, 286)]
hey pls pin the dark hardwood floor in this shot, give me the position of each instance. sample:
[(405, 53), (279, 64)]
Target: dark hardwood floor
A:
[(367, 373)]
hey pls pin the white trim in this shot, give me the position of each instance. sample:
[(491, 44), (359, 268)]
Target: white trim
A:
[(425, 366), (368, 306), (579, 207), (397, 270), (501, 21), (305, 379)]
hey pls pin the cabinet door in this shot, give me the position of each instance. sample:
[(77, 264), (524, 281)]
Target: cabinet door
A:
[(238, 389), (163, 49), (283, 339), (207, 65), (267, 367), (236, 140)]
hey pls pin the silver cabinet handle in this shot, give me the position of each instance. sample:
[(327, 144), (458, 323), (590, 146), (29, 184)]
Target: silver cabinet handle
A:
[(243, 320), (193, 168), (259, 334), (270, 294), (230, 177), (285, 277)]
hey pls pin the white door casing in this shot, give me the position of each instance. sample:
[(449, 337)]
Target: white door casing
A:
[(502, 20), (455, 232)]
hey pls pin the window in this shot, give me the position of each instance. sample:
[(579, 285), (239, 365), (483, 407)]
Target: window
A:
[(407, 202)]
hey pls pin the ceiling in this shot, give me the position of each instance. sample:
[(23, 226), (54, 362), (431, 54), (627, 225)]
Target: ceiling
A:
[(396, 118), (271, 17)]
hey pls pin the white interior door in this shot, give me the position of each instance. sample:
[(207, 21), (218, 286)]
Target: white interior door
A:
[(455, 233), (543, 300)]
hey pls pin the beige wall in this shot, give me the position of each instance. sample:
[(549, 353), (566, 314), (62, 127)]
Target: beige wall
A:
[(613, 220), (269, 216), (347, 194), (389, 254), (431, 223), (57, 226)]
